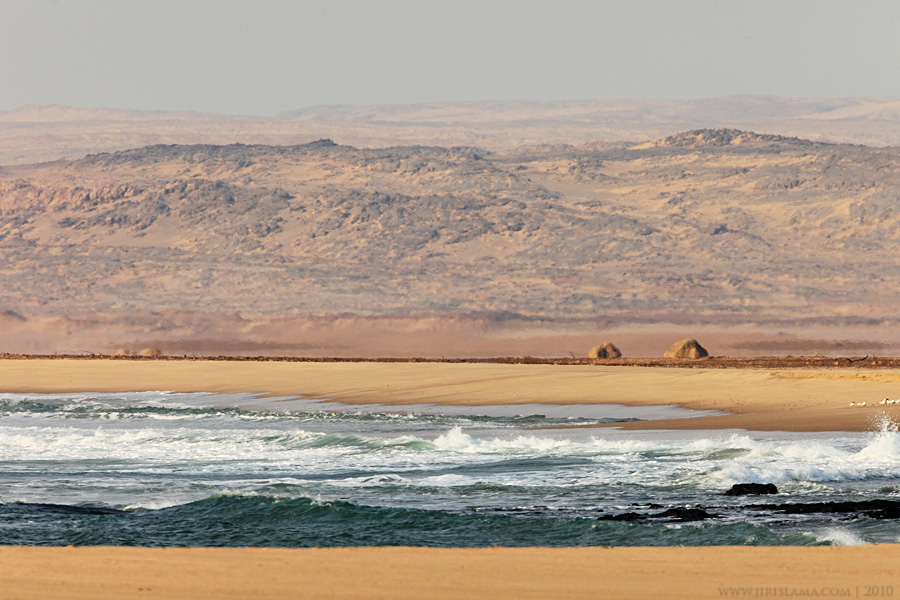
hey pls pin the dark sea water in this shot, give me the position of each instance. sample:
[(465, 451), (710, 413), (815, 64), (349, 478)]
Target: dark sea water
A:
[(164, 469)]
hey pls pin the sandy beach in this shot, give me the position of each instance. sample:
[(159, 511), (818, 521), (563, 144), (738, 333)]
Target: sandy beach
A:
[(589, 573), (755, 399), (792, 400)]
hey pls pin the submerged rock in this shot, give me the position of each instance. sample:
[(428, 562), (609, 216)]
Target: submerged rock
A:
[(675, 514), (874, 509), (686, 514), (628, 516)]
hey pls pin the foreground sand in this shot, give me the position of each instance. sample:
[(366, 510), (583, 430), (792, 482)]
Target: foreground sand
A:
[(787, 400), (590, 573), (791, 400)]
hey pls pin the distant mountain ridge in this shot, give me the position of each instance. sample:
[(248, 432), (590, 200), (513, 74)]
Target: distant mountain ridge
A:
[(55, 113), (726, 108), (42, 133)]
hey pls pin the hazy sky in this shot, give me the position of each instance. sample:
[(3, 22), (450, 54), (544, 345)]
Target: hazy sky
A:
[(261, 57)]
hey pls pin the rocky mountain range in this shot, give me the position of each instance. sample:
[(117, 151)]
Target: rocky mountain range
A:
[(766, 242)]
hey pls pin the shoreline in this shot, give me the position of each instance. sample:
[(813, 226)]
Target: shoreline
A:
[(754, 399)]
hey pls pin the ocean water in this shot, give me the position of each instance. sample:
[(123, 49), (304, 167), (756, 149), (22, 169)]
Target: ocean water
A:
[(167, 469)]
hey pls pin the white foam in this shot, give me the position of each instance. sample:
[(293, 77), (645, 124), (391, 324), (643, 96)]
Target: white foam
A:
[(384, 479), (839, 536), (457, 441), (446, 480), (189, 456)]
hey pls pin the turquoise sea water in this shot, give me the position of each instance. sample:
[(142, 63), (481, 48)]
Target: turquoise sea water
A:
[(163, 469)]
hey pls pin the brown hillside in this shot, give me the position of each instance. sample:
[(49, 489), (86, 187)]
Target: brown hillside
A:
[(773, 232)]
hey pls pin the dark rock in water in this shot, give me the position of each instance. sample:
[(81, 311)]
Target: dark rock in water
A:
[(752, 489), (686, 514), (629, 516), (874, 509), (676, 514)]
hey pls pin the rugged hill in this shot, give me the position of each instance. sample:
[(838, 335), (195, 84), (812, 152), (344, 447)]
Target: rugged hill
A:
[(719, 228)]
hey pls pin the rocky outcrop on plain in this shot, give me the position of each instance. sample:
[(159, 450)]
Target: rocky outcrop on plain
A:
[(687, 348), (605, 350), (725, 137)]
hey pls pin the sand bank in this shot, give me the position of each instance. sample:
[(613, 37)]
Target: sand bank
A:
[(396, 573), (790, 400)]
